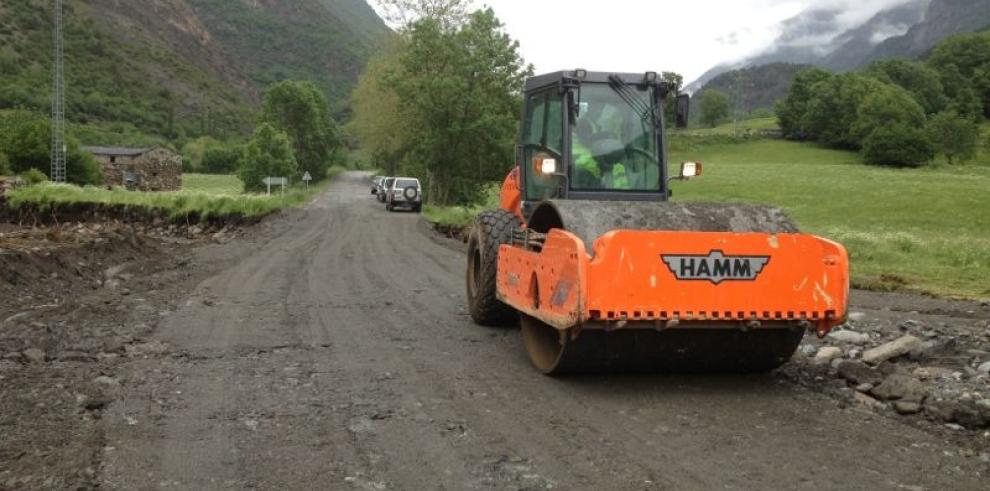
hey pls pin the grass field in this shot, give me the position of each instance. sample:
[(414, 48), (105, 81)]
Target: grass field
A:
[(202, 195), (924, 229), (225, 185)]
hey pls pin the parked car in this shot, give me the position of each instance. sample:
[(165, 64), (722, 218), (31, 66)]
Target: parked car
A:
[(376, 182), (386, 183), (405, 192)]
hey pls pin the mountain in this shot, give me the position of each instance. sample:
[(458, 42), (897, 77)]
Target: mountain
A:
[(943, 18), (180, 67), (757, 87), (826, 37)]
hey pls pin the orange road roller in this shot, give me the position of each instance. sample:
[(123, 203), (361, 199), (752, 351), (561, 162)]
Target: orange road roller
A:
[(605, 272)]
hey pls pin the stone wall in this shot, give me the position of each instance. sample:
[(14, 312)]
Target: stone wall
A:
[(156, 170)]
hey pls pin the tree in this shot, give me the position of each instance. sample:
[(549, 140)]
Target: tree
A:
[(791, 111), (954, 136), (268, 154), (897, 145), (891, 105), (714, 107), (301, 111), (964, 62), (25, 137), (221, 159), (963, 98), (833, 109), (378, 119), (193, 151), (675, 80), (920, 80), (4, 165), (450, 13), (458, 86)]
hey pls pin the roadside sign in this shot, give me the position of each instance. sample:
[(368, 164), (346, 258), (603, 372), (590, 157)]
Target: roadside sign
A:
[(307, 178), (276, 181)]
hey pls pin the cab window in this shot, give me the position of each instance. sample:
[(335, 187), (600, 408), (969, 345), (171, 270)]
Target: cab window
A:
[(543, 135)]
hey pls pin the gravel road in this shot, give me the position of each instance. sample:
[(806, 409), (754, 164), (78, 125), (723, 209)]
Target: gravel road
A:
[(337, 353)]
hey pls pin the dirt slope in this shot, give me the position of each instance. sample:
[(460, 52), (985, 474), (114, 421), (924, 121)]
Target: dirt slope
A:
[(338, 355)]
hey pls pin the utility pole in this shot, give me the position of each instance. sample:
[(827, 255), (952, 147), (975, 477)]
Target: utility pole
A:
[(58, 101)]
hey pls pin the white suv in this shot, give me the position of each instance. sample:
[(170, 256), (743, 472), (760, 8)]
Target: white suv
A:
[(404, 192)]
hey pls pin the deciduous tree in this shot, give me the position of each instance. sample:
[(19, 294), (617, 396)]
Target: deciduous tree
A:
[(954, 136), (791, 111), (268, 154), (301, 111), (714, 107)]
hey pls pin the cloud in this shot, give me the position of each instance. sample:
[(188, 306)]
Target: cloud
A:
[(824, 20)]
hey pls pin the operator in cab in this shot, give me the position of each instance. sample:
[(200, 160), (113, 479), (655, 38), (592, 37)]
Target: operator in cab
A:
[(596, 150)]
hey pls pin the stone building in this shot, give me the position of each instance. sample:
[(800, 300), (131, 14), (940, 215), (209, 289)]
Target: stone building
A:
[(140, 169)]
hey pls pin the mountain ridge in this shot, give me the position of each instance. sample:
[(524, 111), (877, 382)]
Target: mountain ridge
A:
[(181, 67)]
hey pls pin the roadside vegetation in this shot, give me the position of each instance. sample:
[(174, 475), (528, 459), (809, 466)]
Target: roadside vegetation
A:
[(448, 61), (897, 112), (926, 229), (203, 197)]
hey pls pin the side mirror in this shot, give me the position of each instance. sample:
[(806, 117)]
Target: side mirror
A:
[(690, 169), (683, 110)]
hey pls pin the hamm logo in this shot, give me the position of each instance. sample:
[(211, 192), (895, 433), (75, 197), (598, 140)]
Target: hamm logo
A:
[(716, 267)]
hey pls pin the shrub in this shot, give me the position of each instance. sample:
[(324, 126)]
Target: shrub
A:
[(897, 145), (33, 176), (221, 160)]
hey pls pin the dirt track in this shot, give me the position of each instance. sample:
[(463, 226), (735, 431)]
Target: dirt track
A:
[(337, 354)]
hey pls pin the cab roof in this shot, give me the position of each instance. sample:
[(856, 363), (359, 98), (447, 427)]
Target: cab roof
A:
[(551, 79)]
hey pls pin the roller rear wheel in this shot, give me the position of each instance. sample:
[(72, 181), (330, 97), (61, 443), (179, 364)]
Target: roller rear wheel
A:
[(491, 230), (683, 350)]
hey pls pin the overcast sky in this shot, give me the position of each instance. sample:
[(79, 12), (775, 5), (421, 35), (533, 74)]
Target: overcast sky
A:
[(688, 37)]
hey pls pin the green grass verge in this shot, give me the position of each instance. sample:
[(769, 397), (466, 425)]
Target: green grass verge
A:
[(924, 229), (203, 195)]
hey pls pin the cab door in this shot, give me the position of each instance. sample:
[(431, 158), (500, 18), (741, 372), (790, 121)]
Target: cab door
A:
[(542, 137)]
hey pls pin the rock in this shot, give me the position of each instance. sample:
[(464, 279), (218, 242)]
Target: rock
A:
[(984, 368), (34, 355), (968, 414), (149, 348), (112, 272), (106, 381), (808, 349), (111, 284), (113, 344), (864, 400), (850, 337), (933, 348), (900, 386), (893, 349), (864, 388), (857, 373), (78, 356), (13, 356), (954, 427), (910, 324), (931, 373), (857, 316), (907, 407), (826, 354)]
